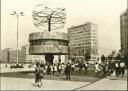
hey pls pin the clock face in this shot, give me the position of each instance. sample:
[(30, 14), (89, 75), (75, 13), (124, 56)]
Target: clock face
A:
[(43, 14)]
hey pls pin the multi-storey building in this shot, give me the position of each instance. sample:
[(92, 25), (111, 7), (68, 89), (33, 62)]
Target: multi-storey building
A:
[(5, 55), (124, 31), (83, 39), (10, 56)]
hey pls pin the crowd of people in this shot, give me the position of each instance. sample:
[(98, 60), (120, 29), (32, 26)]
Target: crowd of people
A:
[(65, 69), (56, 69), (107, 67)]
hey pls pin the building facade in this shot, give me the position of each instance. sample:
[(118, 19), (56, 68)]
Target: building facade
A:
[(5, 55), (83, 39), (124, 31), (9, 55)]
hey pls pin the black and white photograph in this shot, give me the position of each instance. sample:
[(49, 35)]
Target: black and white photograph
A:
[(64, 45)]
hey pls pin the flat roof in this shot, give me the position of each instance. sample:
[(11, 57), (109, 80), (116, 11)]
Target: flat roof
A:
[(76, 26)]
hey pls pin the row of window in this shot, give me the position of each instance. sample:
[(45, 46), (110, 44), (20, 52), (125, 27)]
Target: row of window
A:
[(48, 42), (82, 31), (77, 34), (83, 36)]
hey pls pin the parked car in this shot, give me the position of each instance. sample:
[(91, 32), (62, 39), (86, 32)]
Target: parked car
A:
[(16, 66)]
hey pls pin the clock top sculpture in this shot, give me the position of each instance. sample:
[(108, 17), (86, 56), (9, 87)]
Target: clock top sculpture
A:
[(49, 18)]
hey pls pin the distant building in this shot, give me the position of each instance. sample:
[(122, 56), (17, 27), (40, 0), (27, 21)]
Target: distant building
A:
[(5, 55), (10, 56), (83, 38), (124, 31), (25, 50)]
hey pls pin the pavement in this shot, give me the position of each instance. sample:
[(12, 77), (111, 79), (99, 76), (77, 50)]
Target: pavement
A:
[(107, 83), (28, 84)]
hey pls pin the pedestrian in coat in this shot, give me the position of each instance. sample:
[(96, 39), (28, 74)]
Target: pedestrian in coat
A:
[(67, 71)]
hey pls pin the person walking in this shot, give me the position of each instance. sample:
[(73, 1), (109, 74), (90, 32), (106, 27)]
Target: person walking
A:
[(38, 75), (122, 68)]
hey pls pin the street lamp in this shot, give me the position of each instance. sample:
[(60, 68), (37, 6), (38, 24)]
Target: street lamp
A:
[(17, 15)]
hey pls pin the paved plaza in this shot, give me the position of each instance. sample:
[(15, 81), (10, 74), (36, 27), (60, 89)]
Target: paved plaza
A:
[(28, 84), (108, 83), (17, 83), (8, 70)]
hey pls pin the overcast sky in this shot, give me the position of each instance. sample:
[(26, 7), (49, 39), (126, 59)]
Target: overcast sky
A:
[(105, 13)]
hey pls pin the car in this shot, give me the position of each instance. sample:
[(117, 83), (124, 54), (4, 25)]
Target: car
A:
[(16, 66)]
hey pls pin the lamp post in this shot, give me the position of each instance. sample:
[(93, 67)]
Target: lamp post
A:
[(17, 15)]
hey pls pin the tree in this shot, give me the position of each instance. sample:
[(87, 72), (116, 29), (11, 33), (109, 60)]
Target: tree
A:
[(118, 57), (103, 58), (112, 55)]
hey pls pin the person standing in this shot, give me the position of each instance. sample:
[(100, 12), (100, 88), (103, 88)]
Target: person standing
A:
[(86, 66), (122, 68), (48, 69), (67, 71), (52, 69), (55, 69), (117, 68), (97, 69), (73, 67), (59, 68), (63, 66), (80, 66), (105, 69), (37, 73)]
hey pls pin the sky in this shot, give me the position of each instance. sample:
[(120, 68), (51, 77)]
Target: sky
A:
[(105, 13)]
